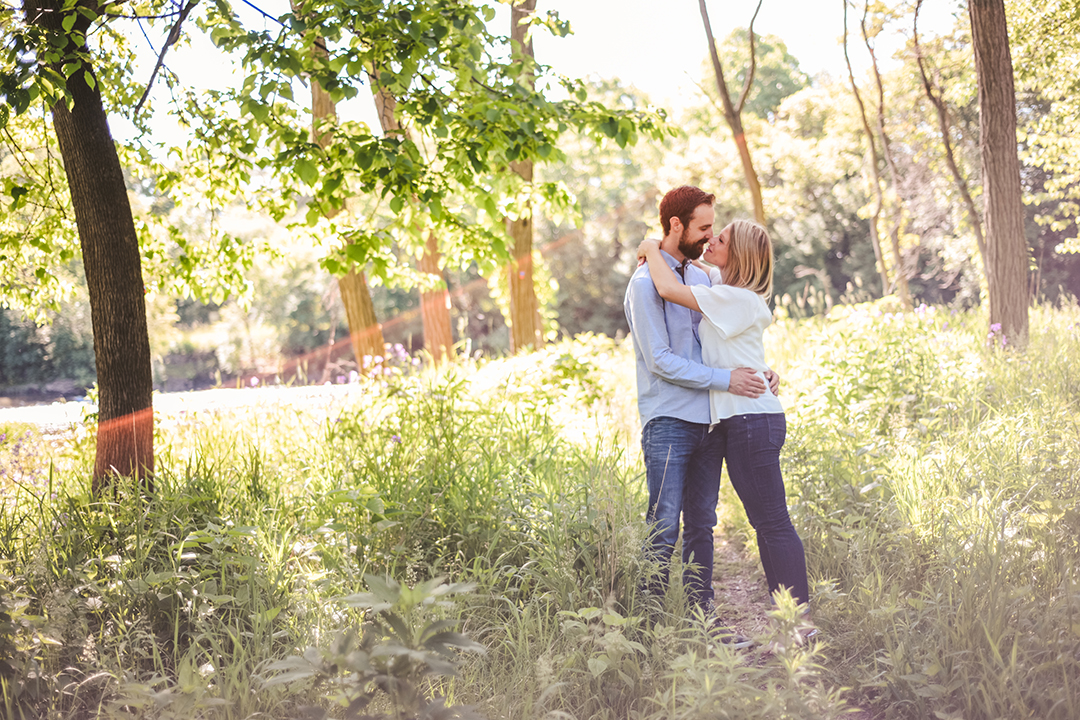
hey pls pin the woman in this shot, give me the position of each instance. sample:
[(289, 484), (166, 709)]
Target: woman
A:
[(753, 429)]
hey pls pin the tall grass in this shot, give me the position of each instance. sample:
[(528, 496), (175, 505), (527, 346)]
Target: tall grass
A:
[(288, 562), (936, 477)]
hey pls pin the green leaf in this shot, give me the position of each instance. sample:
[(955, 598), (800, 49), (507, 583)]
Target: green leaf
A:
[(396, 204), (355, 253), (307, 171), (68, 22)]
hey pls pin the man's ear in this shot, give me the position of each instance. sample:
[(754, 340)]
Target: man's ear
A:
[(676, 226)]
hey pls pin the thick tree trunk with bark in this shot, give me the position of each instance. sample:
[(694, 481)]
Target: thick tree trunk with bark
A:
[(434, 304), (1006, 245), (365, 333), (364, 329), (733, 111), (526, 329), (113, 265)]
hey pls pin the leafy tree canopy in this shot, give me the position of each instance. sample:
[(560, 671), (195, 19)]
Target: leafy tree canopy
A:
[(462, 98)]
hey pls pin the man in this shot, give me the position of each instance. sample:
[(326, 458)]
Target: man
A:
[(682, 458)]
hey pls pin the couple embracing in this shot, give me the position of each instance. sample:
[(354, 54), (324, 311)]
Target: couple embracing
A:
[(705, 393)]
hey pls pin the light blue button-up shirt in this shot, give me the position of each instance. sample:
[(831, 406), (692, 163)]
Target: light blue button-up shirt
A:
[(671, 379)]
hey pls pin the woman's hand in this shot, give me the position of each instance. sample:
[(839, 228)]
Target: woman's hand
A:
[(774, 381), (645, 246)]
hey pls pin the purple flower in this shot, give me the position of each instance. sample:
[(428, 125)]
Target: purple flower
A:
[(341, 379), (996, 327), (395, 438), (254, 381)]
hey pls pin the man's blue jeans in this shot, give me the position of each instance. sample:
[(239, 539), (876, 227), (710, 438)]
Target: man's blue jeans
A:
[(682, 470)]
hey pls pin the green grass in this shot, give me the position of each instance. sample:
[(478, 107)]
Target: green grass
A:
[(932, 477)]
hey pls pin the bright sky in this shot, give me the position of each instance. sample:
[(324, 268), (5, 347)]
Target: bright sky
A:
[(661, 51)]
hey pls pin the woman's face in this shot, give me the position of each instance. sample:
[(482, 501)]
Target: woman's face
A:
[(717, 251)]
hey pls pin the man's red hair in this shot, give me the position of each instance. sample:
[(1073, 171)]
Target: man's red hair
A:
[(681, 203)]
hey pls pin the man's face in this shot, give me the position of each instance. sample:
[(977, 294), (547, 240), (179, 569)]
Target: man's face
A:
[(697, 233)]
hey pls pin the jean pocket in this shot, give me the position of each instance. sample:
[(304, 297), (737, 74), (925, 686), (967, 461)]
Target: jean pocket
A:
[(777, 429)]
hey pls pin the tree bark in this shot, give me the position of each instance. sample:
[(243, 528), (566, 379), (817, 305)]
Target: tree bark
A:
[(875, 177), (113, 265), (525, 326), (434, 304), (733, 111), (1006, 245), (938, 101), (365, 333)]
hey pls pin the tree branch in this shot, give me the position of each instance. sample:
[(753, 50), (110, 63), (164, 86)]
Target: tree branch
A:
[(174, 35), (753, 65), (721, 83), (938, 101)]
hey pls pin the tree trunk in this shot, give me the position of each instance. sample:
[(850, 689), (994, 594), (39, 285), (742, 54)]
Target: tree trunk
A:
[(364, 329), (1006, 245), (875, 176), (897, 223), (113, 265), (733, 111), (434, 304), (525, 326), (365, 332)]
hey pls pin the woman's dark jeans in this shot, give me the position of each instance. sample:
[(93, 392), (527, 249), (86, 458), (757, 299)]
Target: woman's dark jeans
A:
[(682, 470), (751, 444)]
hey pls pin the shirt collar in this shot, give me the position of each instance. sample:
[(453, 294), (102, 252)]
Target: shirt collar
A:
[(672, 262)]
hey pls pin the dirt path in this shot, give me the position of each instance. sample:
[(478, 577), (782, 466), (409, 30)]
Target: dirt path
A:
[(742, 595)]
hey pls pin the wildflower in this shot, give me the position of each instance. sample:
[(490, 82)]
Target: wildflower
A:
[(254, 380), (395, 438), (353, 376), (341, 379), (415, 361), (995, 328)]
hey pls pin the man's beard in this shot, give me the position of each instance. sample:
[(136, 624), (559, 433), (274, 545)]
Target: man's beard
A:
[(692, 251)]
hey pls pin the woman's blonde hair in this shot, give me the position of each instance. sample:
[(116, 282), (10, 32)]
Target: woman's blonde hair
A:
[(750, 258)]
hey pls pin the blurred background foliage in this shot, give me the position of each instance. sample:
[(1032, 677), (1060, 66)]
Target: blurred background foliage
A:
[(282, 317)]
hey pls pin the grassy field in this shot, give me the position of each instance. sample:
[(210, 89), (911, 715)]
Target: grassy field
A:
[(466, 543)]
